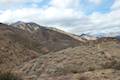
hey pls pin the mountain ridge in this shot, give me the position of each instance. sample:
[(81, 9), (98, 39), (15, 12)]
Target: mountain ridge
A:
[(18, 46), (28, 26), (32, 27)]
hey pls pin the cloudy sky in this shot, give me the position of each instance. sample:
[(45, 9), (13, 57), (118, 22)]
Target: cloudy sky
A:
[(75, 16)]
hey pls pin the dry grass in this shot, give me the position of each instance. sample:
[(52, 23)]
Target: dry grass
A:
[(80, 59)]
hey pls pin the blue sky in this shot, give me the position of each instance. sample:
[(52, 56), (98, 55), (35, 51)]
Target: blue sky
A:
[(75, 16), (87, 6), (103, 7)]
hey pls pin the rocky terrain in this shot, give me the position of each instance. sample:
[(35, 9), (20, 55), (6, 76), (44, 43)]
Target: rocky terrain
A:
[(99, 61), (18, 45), (40, 53)]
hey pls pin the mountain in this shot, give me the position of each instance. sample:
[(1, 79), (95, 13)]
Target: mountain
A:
[(66, 33), (21, 42), (33, 27), (107, 34), (50, 39), (43, 53), (30, 27), (13, 50)]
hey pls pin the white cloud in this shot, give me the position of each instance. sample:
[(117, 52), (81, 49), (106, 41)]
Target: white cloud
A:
[(50, 16), (64, 15), (18, 1), (65, 3), (96, 2), (116, 5), (99, 22), (19, 14), (8, 3)]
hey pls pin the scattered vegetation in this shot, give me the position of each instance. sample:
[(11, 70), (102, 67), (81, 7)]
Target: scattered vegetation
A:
[(8, 75)]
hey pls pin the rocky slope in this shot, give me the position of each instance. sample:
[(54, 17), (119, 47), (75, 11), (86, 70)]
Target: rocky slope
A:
[(19, 45), (99, 60), (13, 53), (51, 40)]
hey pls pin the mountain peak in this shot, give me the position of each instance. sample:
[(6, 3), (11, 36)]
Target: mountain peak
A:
[(88, 37), (28, 26)]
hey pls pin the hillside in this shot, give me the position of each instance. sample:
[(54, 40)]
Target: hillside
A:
[(13, 53), (49, 39), (40, 53), (99, 60), (18, 45)]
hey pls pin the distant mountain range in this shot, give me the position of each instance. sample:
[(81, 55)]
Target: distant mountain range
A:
[(32, 27)]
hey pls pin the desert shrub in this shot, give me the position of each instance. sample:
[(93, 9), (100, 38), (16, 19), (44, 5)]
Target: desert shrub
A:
[(83, 78), (56, 71), (80, 77), (68, 68), (8, 75), (91, 69), (114, 64)]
